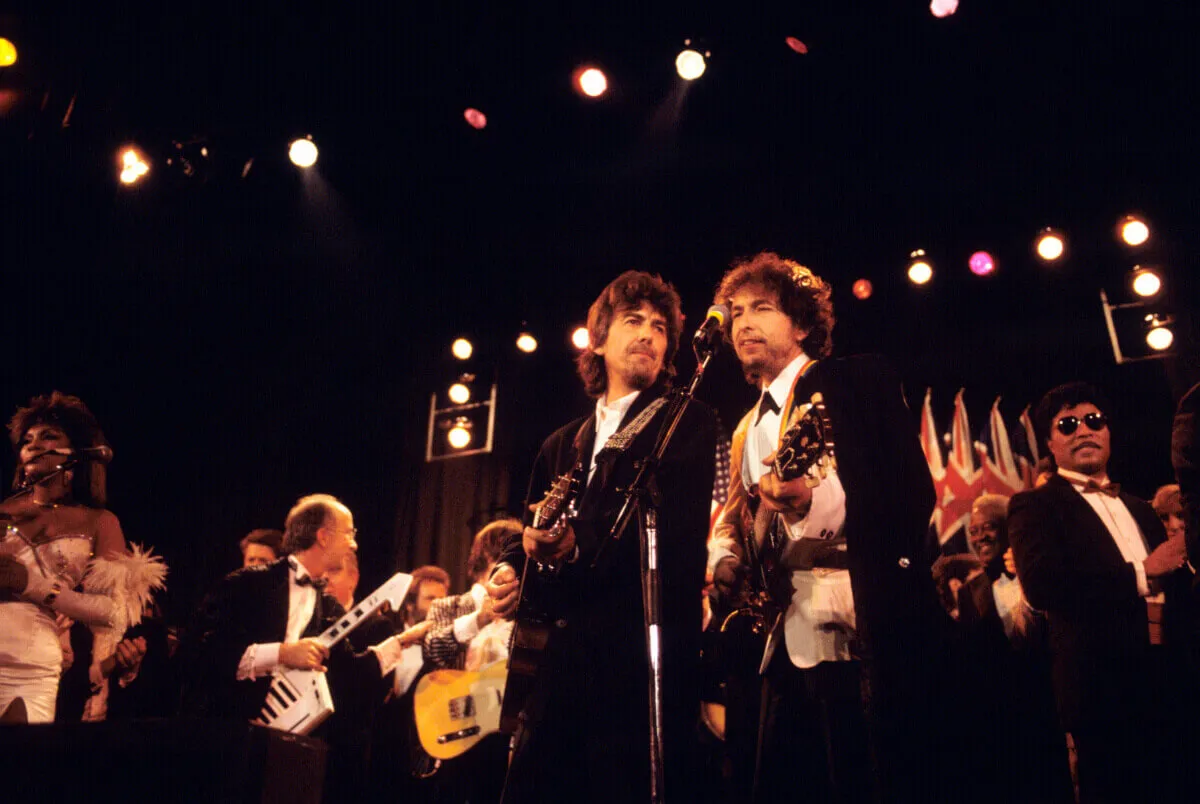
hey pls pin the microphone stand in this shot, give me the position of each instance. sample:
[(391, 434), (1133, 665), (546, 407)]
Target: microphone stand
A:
[(642, 497)]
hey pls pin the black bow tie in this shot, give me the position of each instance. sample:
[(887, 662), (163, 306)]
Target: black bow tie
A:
[(767, 403), (1111, 489), (306, 580)]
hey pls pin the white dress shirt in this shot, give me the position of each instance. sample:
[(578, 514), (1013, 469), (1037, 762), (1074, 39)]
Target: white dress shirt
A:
[(261, 659), (467, 626), (608, 420), (820, 621), (1120, 524)]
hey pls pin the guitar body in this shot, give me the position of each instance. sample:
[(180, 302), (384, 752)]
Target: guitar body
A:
[(535, 615), (531, 635), (455, 709)]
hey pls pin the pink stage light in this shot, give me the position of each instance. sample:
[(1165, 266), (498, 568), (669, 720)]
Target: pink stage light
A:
[(982, 263), (796, 45), (943, 8), (475, 118)]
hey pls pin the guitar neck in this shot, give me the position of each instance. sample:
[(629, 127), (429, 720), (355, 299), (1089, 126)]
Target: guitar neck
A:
[(394, 590)]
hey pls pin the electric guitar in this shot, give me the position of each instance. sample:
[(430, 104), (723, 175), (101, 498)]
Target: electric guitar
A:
[(805, 449), (299, 700), (455, 709), (534, 619)]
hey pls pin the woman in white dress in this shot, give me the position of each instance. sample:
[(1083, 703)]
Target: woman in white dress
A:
[(62, 557)]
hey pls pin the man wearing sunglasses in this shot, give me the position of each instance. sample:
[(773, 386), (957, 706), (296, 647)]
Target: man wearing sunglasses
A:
[(1099, 563)]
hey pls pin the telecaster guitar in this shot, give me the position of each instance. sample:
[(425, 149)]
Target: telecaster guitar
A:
[(455, 709), (533, 619), (299, 700)]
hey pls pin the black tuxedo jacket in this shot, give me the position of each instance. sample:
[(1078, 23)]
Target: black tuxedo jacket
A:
[(1071, 568), (593, 681), (250, 606)]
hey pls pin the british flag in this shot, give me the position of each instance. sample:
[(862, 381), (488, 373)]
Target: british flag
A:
[(1025, 447), (1001, 473), (957, 483)]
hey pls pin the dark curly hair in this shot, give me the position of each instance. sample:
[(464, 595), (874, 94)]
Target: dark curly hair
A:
[(89, 481), (626, 292), (804, 296)]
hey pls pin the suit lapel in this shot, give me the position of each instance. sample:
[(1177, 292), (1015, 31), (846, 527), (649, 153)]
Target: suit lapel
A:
[(279, 598), (1082, 518)]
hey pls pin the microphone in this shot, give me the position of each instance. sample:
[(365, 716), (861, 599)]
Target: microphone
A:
[(710, 331), (100, 454)]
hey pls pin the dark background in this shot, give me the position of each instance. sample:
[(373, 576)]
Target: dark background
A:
[(245, 341)]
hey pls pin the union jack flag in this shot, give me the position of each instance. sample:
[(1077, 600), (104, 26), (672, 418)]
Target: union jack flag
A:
[(957, 483), (1001, 473)]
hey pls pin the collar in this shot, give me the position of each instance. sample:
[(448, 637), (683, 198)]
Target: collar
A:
[(297, 568), (780, 388), (1080, 481), (618, 408)]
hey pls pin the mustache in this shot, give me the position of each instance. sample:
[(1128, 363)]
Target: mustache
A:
[(1082, 444)]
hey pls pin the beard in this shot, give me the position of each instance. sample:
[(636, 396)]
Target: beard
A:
[(640, 379)]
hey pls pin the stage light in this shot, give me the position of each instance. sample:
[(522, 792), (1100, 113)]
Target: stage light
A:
[(690, 64), (459, 393), (592, 82), (133, 165), (1133, 230), (796, 45), (1050, 245), (475, 118), (462, 348), (303, 153), (1146, 281), (527, 343), (943, 8), (1159, 336), (919, 270), (8, 53), (459, 435), (862, 289), (981, 263), (580, 338)]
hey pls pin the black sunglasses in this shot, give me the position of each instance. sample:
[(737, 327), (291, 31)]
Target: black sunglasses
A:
[(1069, 424)]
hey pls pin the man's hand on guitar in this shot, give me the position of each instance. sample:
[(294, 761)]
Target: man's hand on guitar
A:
[(549, 546), (503, 591), (788, 497), (307, 654)]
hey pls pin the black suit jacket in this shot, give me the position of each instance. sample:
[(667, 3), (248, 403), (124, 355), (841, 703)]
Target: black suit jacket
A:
[(250, 606), (593, 682), (1071, 568)]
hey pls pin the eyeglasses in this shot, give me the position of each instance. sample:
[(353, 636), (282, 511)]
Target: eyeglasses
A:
[(1069, 424)]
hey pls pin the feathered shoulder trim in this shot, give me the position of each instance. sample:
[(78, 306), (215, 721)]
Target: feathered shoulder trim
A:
[(129, 580)]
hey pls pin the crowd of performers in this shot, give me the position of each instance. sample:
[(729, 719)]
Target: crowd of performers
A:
[(816, 646)]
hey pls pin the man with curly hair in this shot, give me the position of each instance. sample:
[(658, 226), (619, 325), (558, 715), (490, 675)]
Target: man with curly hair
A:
[(586, 729), (861, 622)]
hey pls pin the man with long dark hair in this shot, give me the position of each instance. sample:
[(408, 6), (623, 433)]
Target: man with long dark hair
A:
[(854, 579), (586, 730)]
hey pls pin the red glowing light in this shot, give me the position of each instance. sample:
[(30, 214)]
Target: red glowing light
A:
[(475, 118), (862, 289), (982, 263), (796, 45)]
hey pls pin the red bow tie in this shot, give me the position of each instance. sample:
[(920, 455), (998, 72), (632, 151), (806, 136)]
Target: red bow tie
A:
[(1111, 489)]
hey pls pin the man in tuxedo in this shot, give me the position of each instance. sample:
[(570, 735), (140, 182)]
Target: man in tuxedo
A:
[(585, 732), (266, 617), (1098, 562), (861, 613)]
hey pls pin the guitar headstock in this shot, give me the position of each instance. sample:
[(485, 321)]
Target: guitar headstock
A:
[(556, 503), (807, 443)]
